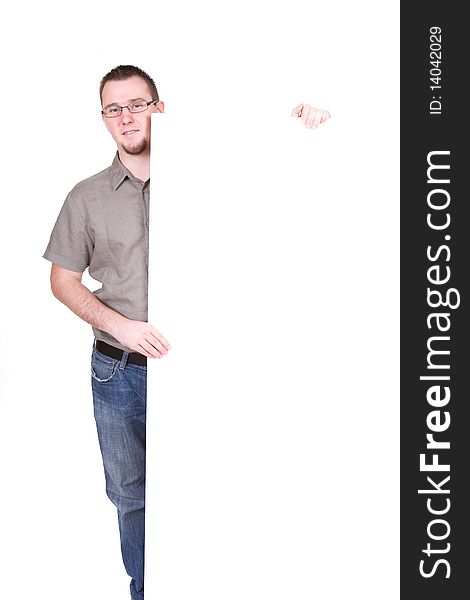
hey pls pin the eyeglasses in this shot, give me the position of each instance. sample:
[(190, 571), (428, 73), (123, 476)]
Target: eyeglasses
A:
[(136, 106)]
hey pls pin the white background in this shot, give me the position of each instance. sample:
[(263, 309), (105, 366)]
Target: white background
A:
[(273, 449)]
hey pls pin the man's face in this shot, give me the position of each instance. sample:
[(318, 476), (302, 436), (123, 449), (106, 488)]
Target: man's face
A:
[(130, 131)]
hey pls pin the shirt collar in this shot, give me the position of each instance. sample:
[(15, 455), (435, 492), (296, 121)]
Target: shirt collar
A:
[(118, 172)]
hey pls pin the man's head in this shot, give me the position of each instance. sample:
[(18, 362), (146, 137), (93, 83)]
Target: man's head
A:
[(130, 87)]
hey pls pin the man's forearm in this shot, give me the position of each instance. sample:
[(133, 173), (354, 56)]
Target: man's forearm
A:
[(86, 305), (138, 336)]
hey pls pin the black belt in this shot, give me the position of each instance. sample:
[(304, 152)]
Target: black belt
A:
[(134, 358)]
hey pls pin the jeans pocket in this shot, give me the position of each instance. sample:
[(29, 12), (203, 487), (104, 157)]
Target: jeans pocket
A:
[(103, 368)]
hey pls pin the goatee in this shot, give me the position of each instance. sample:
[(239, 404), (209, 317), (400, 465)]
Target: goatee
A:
[(137, 148)]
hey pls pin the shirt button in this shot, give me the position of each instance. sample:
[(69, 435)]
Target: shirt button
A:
[(147, 223)]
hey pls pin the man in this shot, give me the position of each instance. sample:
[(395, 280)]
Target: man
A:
[(104, 226)]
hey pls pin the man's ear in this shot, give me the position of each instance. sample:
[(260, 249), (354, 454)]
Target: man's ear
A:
[(160, 106)]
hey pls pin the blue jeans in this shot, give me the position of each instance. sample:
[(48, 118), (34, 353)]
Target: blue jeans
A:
[(119, 400)]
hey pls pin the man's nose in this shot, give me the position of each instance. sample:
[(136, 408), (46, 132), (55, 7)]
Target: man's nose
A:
[(126, 115)]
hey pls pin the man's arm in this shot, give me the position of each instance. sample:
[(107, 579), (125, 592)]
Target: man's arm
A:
[(139, 336)]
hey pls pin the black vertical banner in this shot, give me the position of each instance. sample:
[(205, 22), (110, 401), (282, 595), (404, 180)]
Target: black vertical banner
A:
[(435, 361)]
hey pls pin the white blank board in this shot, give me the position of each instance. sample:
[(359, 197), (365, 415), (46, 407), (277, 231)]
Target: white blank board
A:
[(264, 419)]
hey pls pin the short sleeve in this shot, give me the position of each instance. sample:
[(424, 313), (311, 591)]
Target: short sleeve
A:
[(71, 243)]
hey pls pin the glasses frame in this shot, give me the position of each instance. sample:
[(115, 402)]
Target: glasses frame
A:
[(127, 106)]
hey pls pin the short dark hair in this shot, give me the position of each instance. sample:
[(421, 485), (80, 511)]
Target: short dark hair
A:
[(123, 72)]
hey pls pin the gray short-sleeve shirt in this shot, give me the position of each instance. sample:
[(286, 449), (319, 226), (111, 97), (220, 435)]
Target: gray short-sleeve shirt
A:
[(104, 225)]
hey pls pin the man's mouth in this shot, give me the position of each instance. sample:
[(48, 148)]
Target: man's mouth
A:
[(130, 132)]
